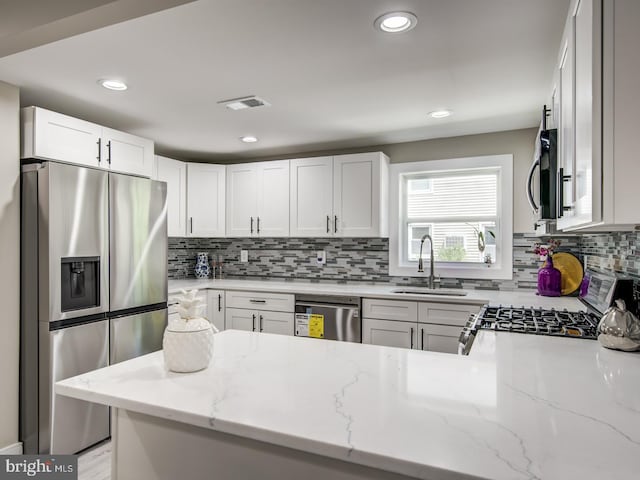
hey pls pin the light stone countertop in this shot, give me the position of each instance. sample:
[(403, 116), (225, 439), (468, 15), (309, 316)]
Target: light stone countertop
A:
[(519, 298), (519, 407)]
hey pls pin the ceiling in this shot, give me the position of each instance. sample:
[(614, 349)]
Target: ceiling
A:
[(332, 79)]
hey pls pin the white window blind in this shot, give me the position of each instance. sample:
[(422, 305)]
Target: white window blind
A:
[(455, 210)]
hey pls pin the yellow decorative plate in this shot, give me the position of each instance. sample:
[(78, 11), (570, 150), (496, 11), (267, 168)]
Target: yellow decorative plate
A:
[(571, 271)]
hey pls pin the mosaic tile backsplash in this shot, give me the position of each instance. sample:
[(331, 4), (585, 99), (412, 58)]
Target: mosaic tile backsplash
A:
[(617, 251), (348, 259)]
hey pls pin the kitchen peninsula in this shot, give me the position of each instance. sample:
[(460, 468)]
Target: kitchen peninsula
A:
[(275, 406)]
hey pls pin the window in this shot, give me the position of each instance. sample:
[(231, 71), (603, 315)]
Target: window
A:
[(464, 205), (416, 232), (419, 185)]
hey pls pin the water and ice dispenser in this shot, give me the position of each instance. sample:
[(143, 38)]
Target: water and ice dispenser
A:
[(80, 283)]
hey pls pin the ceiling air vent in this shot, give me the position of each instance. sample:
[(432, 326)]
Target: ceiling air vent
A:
[(244, 102)]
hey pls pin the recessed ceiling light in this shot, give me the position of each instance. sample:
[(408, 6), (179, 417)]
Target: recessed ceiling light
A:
[(249, 139), (113, 84), (440, 113), (396, 22)]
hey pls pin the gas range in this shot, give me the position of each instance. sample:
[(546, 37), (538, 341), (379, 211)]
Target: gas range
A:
[(559, 323), (600, 292)]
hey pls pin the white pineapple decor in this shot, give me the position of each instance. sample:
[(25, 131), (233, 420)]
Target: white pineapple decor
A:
[(188, 342)]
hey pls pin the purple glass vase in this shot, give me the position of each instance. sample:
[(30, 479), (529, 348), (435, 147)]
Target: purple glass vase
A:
[(549, 279)]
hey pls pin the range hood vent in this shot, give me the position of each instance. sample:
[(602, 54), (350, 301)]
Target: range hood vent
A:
[(242, 103)]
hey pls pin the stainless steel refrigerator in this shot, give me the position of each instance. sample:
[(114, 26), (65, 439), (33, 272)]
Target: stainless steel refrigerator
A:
[(94, 291)]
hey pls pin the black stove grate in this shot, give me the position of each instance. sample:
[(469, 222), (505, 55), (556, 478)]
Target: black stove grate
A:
[(560, 323)]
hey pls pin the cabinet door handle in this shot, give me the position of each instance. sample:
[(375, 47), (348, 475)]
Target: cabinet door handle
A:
[(99, 143), (260, 323), (562, 178), (253, 322), (328, 222), (258, 226), (109, 152), (251, 225), (422, 339), (219, 302), (253, 300), (411, 334), (335, 224), (190, 224)]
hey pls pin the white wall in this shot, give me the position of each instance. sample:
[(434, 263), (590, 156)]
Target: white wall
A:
[(9, 262)]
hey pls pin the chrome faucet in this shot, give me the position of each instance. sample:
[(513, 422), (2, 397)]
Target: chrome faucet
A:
[(432, 276)]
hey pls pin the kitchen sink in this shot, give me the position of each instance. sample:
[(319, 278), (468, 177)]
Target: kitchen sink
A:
[(431, 291)]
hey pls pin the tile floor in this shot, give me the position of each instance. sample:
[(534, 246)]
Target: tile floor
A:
[(95, 464)]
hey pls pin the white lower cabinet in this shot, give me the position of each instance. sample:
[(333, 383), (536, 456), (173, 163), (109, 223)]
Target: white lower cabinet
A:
[(215, 308), (276, 322), (280, 323), (241, 319), (446, 313), (260, 312), (429, 326), (438, 338), (389, 333)]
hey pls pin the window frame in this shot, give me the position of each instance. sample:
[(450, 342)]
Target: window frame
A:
[(502, 268)]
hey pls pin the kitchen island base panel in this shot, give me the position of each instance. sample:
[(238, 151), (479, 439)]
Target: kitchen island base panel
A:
[(152, 448)]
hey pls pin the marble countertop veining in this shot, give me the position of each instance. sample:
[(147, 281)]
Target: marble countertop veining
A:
[(519, 298), (519, 407)]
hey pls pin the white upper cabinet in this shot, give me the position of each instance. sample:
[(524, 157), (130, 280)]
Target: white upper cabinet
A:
[(174, 173), (125, 153), (566, 132), (344, 196), (599, 72), (311, 197), (588, 114), (242, 200), (359, 199), (258, 199), (205, 200), (273, 199), (49, 135)]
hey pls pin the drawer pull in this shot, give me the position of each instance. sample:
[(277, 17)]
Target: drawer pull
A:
[(253, 300)]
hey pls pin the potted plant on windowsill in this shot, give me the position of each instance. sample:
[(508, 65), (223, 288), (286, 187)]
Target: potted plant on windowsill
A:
[(549, 277)]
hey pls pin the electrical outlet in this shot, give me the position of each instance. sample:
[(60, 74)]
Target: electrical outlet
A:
[(244, 256), (321, 257)]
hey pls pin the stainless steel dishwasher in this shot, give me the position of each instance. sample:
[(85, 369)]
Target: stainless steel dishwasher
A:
[(328, 317)]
